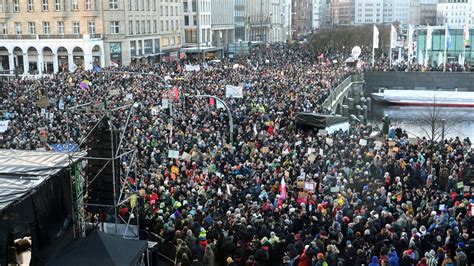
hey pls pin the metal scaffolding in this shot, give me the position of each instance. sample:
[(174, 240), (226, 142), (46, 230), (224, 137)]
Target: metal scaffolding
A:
[(78, 176)]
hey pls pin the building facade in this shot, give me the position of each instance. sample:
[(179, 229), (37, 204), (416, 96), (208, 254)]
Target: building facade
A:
[(197, 22), (343, 12), (454, 12), (264, 21), (222, 22), (239, 20), (427, 14), (52, 35), (385, 11), (301, 17)]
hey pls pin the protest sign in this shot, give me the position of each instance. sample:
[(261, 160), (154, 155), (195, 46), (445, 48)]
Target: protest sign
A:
[(363, 142), (4, 125), (233, 91), (173, 154)]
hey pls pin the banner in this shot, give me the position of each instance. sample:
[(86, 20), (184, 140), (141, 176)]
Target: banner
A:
[(376, 37), (4, 125), (411, 30), (429, 37), (233, 91), (189, 68), (64, 147), (467, 42), (393, 37), (447, 37)]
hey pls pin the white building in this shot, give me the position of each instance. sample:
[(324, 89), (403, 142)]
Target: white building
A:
[(287, 11), (316, 13), (222, 22), (382, 11), (197, 22), (455, 12)]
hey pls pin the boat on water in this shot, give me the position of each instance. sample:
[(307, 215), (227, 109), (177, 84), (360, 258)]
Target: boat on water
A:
[(425, 98)]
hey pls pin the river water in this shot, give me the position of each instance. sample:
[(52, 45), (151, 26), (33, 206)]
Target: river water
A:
[(459, 121)]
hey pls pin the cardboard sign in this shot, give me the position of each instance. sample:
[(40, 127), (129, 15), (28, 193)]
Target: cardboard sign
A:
[(173, 154), (460, 184), (186, 156), (311, 157), (378, 145), (363, 142), (299, 184), (335, 189), (265, 150)]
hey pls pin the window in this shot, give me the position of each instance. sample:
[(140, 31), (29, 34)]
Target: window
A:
[(148, 26), (91, 27), (143, 27), (74, 5), (113, 4), (18, 28), (45, 5), (32, 28), (87, 5), (155, 26), (61, 27), (154, 5), (76, 29), (114, 27), (16, 5), (31, 6), (129, 4), (46, 28), (186, 20), (130, 27), (57, 5), (4, 28), (194, 6)]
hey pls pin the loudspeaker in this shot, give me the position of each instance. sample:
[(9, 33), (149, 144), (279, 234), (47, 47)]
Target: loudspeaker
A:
[(103, 189)]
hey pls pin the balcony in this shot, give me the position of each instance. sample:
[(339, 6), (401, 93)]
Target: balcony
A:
[(18, 37), (60, 36)]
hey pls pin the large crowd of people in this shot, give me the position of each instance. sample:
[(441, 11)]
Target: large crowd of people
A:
[(274, 193)]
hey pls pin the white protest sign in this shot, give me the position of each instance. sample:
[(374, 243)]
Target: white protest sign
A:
[(114, 92), (186, 156), (298, 143), (61, 104), (155, 110), (363, 142), (233, 91), (173, 154), (329, 141), (4, 125), (189, 68), (164, 103), (322, 132), (129, 96), (378, 145)]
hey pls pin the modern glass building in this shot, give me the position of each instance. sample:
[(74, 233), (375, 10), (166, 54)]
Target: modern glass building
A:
[(438, 43)]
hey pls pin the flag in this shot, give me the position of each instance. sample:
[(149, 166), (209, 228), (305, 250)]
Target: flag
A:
[(113, 63), (429, 37), (282, 189), (411, 30), (447, 37), (212, 101), (376, 37), (467, 42), (393, 37), (72, 67)]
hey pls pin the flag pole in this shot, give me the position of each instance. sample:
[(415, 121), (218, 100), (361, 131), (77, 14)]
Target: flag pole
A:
[(427, 59), (445, 47), (391, 43)]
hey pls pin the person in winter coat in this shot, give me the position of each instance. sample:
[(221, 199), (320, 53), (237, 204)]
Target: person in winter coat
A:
[(375, 261), (447, 261), (208, 257), (422, 262), (393, 258), (431, 258), (461, 257)]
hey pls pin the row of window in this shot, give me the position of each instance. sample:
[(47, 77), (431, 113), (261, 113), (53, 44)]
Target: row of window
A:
[(58, 5), (142, 27), (60, 27)]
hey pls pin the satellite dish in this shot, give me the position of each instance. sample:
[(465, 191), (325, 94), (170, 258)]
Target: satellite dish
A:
[(356, 51)]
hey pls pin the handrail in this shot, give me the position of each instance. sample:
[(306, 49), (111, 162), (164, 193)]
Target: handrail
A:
[(333, 95)]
